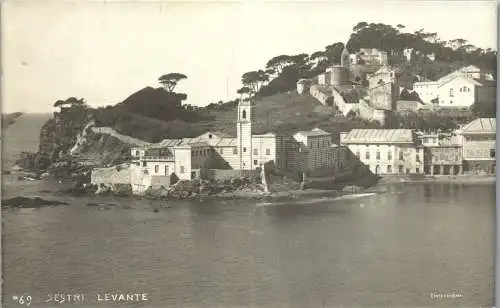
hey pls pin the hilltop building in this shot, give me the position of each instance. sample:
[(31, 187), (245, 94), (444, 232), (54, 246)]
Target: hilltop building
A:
[(369, 56), (384, 87), (459, 89)]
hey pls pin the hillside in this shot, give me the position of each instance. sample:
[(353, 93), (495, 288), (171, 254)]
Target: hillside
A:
[(10, 118), (283, 112)]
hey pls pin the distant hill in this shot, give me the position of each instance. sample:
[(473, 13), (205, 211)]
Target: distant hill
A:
[(10, 118)]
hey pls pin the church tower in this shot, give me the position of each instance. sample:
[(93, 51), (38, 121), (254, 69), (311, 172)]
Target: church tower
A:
[(345, 58), (245, 120)]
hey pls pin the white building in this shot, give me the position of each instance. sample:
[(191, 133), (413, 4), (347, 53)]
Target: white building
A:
[(306, 151), (459, 89), (386, 151)]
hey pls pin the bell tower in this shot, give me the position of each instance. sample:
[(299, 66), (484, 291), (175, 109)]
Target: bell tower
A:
[(244, 122), (345, 58)]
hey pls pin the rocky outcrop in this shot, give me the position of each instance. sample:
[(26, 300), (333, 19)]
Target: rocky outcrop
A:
[(23, 202)]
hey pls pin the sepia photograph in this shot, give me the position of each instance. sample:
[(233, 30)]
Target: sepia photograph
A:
[(248, 153)]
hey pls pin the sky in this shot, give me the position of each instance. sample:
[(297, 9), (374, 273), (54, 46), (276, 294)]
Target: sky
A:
[(103, 51)]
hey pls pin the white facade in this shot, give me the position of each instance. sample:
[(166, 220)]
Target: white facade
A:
[(385, 151), (245, 120), (458, 92), (426, 90), (390, 158)]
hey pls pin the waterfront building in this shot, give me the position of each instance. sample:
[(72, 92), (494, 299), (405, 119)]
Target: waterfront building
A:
[(442, 153), (386, 151), (479, 142), (186, 158)]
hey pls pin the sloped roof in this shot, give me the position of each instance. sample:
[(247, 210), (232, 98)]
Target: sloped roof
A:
[(370, 136), (314, 132), (470, 68), (227, 142), (452, 76), (408, 105), (481, 125), (386, 69), (486, 82), (192, 144)]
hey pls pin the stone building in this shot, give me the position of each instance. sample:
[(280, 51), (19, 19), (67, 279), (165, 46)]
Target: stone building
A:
[(369, 56), (386, 151), (442, 153), (479, 143), (384, 88)]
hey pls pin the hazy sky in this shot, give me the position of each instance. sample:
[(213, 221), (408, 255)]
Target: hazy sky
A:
[(105, 51)]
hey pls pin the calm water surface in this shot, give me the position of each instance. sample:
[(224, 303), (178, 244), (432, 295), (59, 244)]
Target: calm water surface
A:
[(391, 249)]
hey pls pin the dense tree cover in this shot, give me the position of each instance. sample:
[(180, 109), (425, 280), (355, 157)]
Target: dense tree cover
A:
[(283, 71)]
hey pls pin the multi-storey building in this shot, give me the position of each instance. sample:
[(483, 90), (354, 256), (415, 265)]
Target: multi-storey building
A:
[(386, 151), (459, 89), (479, 142)]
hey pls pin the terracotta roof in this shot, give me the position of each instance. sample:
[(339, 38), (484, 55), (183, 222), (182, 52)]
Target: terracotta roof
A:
[(481, 125), (371, 136)]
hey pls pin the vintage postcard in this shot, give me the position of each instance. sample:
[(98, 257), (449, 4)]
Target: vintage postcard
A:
[(248, 153)]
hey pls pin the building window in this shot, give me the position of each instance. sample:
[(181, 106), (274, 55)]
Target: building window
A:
[(166, 170), (235, 150), (144, 164), (157, 168), (222, 151), (210, 136), (417, 158), (255, 162), (244, 114), (181, 169), (451, 102), (255, 152), (451, 92), (407, 170), (389, 155), (492, 153), (401, 157), (377, 155), (358, 154), (268, 151), (389, 169), (400, 168), (367, 155), (244, 150), (417, 170), (136, 153)]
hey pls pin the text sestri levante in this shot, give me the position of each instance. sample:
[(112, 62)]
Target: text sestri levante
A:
[(61, 298)]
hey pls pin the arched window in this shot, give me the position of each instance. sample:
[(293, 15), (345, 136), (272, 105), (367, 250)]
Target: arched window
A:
[(244, 114)]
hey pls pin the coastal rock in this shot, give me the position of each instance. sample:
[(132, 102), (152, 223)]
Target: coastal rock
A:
[(23, 202), (352, 188)]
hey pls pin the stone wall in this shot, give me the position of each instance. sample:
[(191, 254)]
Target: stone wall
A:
[(120, 174), (224, 174)]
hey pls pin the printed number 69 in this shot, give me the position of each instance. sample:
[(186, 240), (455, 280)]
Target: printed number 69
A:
[(25, 300)]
